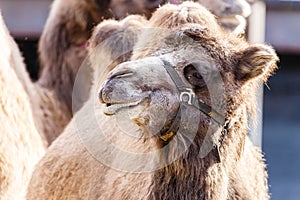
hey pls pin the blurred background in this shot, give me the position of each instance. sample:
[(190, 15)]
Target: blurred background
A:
[(275, 21)]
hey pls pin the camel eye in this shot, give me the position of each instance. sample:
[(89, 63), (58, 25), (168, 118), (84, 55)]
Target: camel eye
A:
[(193, 76)]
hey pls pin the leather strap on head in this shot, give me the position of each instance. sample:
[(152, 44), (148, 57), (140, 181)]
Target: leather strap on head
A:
[(188, 97), (170, 132)]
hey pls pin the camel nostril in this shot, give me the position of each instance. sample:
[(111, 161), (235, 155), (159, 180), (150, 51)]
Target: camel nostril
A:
[(120, 74), (107, 88)]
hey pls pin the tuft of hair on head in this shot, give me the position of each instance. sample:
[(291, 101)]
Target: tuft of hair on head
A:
[(112, 42), (174, 16), (170, 18)]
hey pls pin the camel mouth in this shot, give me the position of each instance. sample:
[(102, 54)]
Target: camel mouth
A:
[(113, 108)]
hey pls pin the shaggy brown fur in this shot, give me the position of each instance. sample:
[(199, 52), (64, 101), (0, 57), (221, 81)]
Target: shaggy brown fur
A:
[(21, 146), (120, 37), (69, 170)]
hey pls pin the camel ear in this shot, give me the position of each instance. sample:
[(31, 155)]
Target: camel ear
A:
[(256, 61)]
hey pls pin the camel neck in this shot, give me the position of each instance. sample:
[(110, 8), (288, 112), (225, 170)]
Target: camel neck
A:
[(51, 114), (59, 82), (190, 177)]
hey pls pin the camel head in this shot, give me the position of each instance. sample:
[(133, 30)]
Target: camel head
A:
[(231, 14), (153, 94), (190, 82)]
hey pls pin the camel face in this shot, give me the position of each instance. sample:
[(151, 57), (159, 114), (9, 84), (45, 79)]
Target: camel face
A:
[(205, 68), (145, 89)]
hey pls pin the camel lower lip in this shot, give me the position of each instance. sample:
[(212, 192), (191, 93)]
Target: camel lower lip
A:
[(112, 109)]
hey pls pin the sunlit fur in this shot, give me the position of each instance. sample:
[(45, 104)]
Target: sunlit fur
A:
[(69, 171), (21, 146)]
